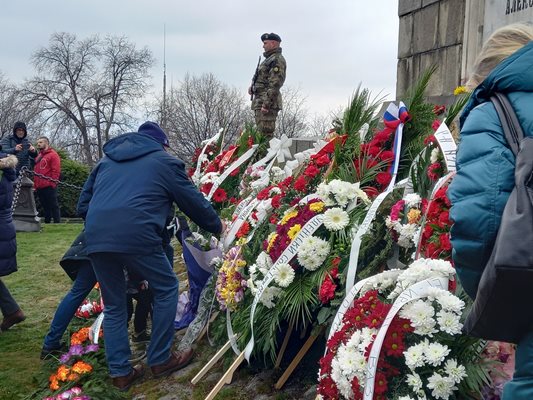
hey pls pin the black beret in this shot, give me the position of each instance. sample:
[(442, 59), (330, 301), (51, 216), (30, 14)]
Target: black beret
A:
[(270, 36)]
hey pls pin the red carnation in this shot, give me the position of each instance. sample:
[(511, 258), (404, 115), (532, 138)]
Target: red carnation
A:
[(383, 178), (322, 160), (444, 219), (374, 151), (327, 291), (220, 195), (276, 201), (311, 171), (430, 140), (444, 239), (206, 187), (300, 184), (387, 155), (435, 125)]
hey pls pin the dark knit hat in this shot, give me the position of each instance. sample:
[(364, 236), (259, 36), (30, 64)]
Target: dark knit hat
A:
[(270, 36), (20, 125), (152, 129)]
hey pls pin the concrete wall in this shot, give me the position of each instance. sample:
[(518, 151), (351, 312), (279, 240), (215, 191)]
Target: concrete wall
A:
[(450, 34), (431, 32)]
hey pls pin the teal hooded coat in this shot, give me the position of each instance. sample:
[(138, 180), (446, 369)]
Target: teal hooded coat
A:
[(485, 165), (484, 181)]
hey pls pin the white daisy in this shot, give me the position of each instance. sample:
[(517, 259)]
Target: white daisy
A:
[(284, 275), (336, 219)]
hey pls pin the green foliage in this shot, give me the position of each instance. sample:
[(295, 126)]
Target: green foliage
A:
[(419, 126), (74, 173), (456, 108)]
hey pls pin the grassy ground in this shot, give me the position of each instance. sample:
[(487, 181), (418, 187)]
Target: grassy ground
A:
[(38, 287)]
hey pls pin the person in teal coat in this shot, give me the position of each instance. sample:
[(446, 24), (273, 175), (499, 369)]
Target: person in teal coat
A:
[(485, 169)]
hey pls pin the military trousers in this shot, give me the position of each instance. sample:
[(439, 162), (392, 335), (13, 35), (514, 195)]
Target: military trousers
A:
[(266, 122)]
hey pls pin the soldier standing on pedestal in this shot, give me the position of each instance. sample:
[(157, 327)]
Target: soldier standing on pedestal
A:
[(266, 84)]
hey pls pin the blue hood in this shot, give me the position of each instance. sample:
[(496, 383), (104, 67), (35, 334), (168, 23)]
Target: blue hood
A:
[(514, 74), (131, 146)]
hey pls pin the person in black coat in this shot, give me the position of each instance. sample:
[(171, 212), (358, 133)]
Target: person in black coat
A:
[(19, 145), (8, 242)]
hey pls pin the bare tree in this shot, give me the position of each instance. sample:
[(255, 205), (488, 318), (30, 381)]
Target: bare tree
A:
[(198, 107), (86, 87), (292, 118), (319, 125), (12, 109)]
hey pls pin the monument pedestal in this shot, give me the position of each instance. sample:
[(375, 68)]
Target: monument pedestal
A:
[(25, 215)]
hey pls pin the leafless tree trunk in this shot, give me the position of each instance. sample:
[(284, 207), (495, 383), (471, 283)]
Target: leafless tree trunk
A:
[(292, 118)]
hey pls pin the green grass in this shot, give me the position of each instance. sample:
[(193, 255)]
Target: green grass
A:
[(38, 286)]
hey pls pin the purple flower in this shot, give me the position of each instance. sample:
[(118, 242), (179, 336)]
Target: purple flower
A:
[(64, 358), (76, 350), (91, 348)]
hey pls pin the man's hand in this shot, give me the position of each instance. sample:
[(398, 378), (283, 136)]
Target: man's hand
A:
[(32, 149), (264, 110), (18, 147), (224, 226)]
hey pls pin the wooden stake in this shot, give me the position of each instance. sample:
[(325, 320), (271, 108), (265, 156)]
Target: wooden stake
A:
[(294, 363), (211, 362), (226, 378), (284, 346)]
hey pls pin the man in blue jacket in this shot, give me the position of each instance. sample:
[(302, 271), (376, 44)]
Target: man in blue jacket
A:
[(125, 203), (19, 145)]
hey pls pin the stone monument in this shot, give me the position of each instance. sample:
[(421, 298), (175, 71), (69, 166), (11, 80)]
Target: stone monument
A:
[(25, 215), (450, 34)]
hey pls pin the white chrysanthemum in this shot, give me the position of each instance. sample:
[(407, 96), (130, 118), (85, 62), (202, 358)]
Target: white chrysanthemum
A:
[(269, 295), (454, 370), (86, 307), (405, 398), (346, 356), (414, 355), (441, 387), (277, 174), (251, 285), (216, 262), (449, 322), (274, 190), (343, 383), (336, 219), (414, 381), (264, 261), (412, 200), (312, 252), (450, 302), (435, 353), (284, 275), (418, 312), (434, 155)]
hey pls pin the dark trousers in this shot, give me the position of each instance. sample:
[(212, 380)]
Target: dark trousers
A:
[(143, 308), (8, 305), (48, 198)]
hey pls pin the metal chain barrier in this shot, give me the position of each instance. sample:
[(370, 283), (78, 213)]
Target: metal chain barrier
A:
[(25, 171)]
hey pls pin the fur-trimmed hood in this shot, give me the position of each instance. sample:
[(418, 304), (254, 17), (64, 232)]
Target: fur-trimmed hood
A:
[(9, 161)]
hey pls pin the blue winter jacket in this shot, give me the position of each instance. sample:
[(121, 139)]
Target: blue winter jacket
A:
[(485, 165), (8, 236), (129, 193)]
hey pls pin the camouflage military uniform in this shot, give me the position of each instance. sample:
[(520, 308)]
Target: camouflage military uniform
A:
[(270, 78)]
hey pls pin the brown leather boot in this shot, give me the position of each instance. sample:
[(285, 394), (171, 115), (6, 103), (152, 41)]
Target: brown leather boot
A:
[(176, 361), (12, 319), (123, 383)]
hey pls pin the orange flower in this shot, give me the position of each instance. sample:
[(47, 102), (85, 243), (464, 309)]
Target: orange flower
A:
[(73, 377), (79, 337), (82, 367), (54, 383), (62, 373)]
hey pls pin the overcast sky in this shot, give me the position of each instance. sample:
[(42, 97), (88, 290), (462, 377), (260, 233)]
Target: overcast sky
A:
[(330, 46)]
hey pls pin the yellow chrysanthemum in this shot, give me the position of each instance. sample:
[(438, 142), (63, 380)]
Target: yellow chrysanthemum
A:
[(459, 90), (413, 215), (316, 207), (294, 231), (288, 216), (271, 241), (82, 367)]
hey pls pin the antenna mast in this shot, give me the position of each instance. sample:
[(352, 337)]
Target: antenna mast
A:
[(164, 111)]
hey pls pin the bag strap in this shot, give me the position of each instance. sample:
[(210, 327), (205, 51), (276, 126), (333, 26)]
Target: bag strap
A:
[(510, 124)]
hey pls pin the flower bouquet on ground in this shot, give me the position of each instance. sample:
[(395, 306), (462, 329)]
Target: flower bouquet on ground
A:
[(91, 306), (423, 354), (79, 374)]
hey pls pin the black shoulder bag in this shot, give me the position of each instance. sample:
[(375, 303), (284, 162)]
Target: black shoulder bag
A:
[(503, 308)]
